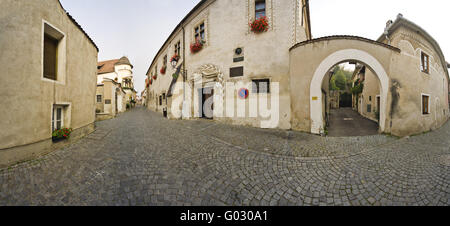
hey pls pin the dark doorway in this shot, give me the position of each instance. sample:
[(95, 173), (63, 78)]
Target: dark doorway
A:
[(206, 108), (345, 100), (117, 107)]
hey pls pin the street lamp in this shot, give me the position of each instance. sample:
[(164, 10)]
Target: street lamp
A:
[(174, 63)]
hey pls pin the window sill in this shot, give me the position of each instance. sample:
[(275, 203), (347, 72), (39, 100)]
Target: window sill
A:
[(52, 81)]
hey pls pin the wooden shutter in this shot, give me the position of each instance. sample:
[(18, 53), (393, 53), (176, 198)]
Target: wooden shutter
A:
[(425, 104), (50, 56)]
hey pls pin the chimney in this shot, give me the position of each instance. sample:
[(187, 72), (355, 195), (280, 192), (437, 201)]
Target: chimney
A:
[(389, 23)]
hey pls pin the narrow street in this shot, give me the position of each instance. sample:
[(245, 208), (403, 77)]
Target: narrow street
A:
[(345, 122), (141, 158)]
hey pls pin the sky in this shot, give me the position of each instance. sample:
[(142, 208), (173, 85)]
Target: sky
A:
[(138, 28)]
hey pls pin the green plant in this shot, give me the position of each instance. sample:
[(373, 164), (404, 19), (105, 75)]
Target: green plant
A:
[(175, 75), (358, 88), (377, 114), (128, 106), (98, 111), (62, 133)]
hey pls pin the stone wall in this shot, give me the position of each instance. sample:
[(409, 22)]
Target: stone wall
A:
[(28, 97)]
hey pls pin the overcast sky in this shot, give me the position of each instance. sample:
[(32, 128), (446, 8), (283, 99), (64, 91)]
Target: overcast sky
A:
[(138, 28)]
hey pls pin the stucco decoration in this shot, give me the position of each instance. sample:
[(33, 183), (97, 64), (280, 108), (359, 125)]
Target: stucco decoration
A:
[(317, 124), (406, 47)]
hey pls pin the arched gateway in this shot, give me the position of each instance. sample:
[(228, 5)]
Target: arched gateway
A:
[(317, 122), (311, 61)]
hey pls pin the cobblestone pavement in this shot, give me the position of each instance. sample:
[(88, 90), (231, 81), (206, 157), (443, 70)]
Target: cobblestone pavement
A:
[(140, 158)]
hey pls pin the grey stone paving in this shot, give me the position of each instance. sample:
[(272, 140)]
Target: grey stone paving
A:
[(345, 122), (140, 158)]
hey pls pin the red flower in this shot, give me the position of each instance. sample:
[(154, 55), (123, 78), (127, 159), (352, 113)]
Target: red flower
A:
[(260, 25), (163, 70), (196, 46)]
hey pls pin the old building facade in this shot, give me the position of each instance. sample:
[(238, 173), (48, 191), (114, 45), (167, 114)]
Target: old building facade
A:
[(409, 67), (115, 87), (49, 75), (406, 77), (230, 52)]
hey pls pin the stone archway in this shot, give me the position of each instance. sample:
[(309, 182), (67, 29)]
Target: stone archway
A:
[(316, 111)]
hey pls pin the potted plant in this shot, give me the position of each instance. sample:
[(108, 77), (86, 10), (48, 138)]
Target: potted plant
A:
[(163, 70), (260, 25), (154, 77), (61, 134), (197, 46)]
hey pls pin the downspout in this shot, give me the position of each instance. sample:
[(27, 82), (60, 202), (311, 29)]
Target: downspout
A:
[(184, 71)]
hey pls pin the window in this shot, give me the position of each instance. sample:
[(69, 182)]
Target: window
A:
[(160, 100), (425, 63), (165, 61), (50, 55), (261, 86), (425, 104), (164, 96), (260, 8), (57, 118), (200, 32), (156, 69), (53, 53), (178, 48), (99, 98)]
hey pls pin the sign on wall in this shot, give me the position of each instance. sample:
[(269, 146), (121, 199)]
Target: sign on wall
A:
[(243, 93)]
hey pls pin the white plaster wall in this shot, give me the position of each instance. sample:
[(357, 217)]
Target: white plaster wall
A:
[(266, 55)]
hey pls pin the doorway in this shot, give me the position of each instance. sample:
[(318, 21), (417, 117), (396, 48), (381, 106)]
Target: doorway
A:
[(206, 98)]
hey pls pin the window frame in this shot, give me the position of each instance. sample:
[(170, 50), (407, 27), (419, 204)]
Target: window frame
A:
[(101, 98), (200, 30), (257, 82), (424, 56), (428, 110), (165, 61), (55, 118), (55, 33), (177, 47), (264, 10)]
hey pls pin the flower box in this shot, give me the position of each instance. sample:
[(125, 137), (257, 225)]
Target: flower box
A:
[(163, 70), (61, 134), (197, 46), (260, 25)]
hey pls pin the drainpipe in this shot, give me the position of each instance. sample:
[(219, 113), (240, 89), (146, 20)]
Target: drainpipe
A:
[(184, 72)]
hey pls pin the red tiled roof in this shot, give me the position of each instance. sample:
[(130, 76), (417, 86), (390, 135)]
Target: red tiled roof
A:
[(106, 66)]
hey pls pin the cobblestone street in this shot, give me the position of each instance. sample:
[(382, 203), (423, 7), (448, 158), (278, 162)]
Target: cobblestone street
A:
[(141, 158)]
